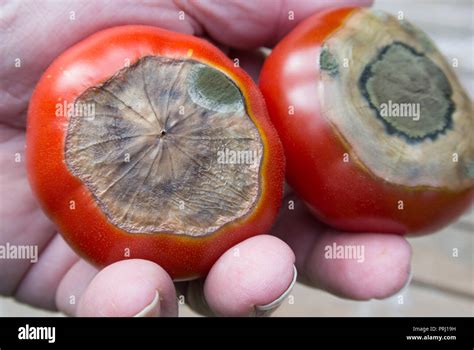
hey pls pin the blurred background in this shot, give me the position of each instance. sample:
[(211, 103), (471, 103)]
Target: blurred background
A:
[(442, 284)]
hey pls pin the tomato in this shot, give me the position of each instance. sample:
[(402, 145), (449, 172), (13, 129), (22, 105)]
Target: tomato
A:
[(144, 143), (376, 128)]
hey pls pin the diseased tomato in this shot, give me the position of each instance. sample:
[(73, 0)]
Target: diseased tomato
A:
[(377, 129), (143, 143)]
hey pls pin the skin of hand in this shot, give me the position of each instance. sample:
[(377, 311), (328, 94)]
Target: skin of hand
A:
[(37, 32)]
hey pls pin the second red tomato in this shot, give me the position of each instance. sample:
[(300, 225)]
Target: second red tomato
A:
[(375, 124)]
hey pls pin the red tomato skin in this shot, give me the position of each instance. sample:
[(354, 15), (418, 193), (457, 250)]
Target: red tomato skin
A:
[(85, 227), (342, 195)]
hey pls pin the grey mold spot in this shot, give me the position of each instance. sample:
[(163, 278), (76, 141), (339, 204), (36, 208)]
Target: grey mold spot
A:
[(328, 62), (401, 76)]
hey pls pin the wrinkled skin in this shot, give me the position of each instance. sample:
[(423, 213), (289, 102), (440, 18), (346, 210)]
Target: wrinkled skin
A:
[(29, 30)]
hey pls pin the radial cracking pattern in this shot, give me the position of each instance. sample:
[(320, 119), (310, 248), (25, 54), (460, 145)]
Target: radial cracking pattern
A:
[(152, 155)]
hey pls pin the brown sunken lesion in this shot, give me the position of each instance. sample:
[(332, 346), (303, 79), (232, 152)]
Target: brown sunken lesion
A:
[(151, 153)]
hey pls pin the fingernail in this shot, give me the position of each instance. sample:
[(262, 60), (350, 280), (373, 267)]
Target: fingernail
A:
[(266, 310), (152, 309), (409, 278)]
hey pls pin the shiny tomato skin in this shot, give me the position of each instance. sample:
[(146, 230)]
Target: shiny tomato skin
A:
[(68, 202), (343, 195)]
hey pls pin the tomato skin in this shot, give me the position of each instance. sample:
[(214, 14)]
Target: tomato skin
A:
[(69, 203), (343, 195)]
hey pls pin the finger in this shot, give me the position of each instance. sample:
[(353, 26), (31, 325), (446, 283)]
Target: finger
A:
[(128, 288), (382, 271), (252, 278), (23, 224), (38, 286), (72, 286), (250, 24)]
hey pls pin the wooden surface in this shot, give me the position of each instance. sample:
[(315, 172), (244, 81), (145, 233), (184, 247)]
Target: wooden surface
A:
[(442, 284)]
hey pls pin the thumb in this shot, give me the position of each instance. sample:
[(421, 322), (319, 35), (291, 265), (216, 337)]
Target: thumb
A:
[(129, 288)]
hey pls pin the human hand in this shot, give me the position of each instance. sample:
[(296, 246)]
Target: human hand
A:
[(38, 32)]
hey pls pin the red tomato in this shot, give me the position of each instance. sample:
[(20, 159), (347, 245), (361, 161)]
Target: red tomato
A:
[(181, 98), (358, 165)]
